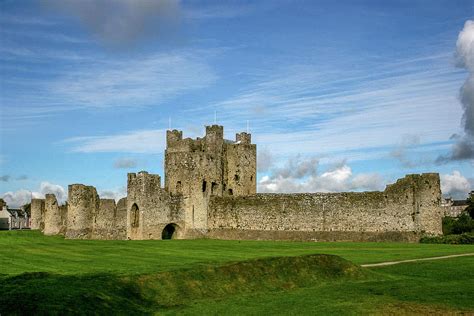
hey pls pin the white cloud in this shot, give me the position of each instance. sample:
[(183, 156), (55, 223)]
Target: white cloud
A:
[(143, 141), (455, 185), (115, 194), (300, 175), (465, 46), (22, 197)]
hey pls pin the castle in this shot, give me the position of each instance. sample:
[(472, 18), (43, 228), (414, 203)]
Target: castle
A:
[(210, 191)]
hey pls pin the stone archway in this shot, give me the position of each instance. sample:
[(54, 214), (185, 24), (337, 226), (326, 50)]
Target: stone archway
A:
[(170, 231)]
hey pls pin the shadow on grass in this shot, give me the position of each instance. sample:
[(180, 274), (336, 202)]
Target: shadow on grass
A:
[(44, 293)]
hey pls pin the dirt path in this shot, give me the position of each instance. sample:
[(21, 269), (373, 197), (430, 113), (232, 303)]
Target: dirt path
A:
[(389, 263)]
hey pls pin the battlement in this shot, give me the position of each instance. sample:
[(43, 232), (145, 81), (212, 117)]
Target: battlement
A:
[(243, 138), (215, 132), (424, 181), (143, 182), (173, 137)]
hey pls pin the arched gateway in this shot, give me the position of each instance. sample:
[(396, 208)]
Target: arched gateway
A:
[(170, 231)]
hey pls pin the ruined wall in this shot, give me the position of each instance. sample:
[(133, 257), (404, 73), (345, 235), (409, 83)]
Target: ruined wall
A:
[(53, 220), (402, 212), (37, 214), (103, 222), (120, 220), (83, 206), (150, 208)]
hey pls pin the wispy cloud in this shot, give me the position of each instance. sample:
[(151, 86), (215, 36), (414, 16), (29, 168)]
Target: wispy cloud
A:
[(102, 83), (140, 82), (5, 178), (310, 108), (120, 22), (125, 163), (143, 141)]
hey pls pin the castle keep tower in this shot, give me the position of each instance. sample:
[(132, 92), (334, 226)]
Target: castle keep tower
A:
[(197, 169)]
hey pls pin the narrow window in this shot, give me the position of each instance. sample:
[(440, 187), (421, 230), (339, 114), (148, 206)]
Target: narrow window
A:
[(204, 183), (178, 187), (230, 192), (214, 187)]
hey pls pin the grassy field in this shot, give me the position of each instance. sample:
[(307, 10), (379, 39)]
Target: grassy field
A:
[(53, 275)]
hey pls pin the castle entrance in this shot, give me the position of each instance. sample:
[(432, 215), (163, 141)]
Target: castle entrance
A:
[(170, 231)]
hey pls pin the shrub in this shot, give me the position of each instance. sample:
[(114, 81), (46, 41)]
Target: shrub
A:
[(462, 224), (459, 239)]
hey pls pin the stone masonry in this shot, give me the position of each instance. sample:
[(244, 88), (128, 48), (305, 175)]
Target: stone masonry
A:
[(210, 191)]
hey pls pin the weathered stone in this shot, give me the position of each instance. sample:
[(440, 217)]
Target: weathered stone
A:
[(83, 208), (53, 223), (37, 214)]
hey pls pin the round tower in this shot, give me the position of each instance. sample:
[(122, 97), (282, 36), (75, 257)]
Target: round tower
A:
[(52, 216), (83, 203)]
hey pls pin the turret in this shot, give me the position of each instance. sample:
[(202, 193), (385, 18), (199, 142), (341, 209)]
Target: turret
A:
[(173, 137), (243, 138), (214, 134)]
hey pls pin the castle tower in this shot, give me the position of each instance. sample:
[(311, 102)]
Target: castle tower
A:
[(53, 224), (209, 166), (83, 205), (37, 214)]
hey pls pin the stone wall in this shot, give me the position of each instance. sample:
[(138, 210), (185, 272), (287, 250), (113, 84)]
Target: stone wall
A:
[(402, 212), (150, 208), (83, 208), (120, 219), (37, 214), (53, 216)]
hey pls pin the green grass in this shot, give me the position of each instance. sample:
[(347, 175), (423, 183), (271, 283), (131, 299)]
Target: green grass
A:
[(443, 286), (30, 251), (50, 275)]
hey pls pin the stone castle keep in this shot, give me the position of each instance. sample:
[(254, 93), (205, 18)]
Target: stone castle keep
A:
[(210, 191)]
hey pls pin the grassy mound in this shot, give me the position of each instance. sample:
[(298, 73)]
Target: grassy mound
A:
[(269, 274), (45, 293)]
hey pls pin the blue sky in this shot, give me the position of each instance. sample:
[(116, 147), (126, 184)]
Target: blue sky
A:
[(339, 95)]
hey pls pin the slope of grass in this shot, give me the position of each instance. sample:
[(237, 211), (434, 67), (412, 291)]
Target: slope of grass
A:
[(422, 288), (30, 251), (43, 293)]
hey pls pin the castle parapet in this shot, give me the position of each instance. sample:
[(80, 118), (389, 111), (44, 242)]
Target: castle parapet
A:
[(243, 138), (173, 137), (214, 134), (143, 182)]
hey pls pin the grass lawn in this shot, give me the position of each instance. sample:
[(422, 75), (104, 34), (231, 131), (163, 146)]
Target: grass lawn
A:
[(53, 275)]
